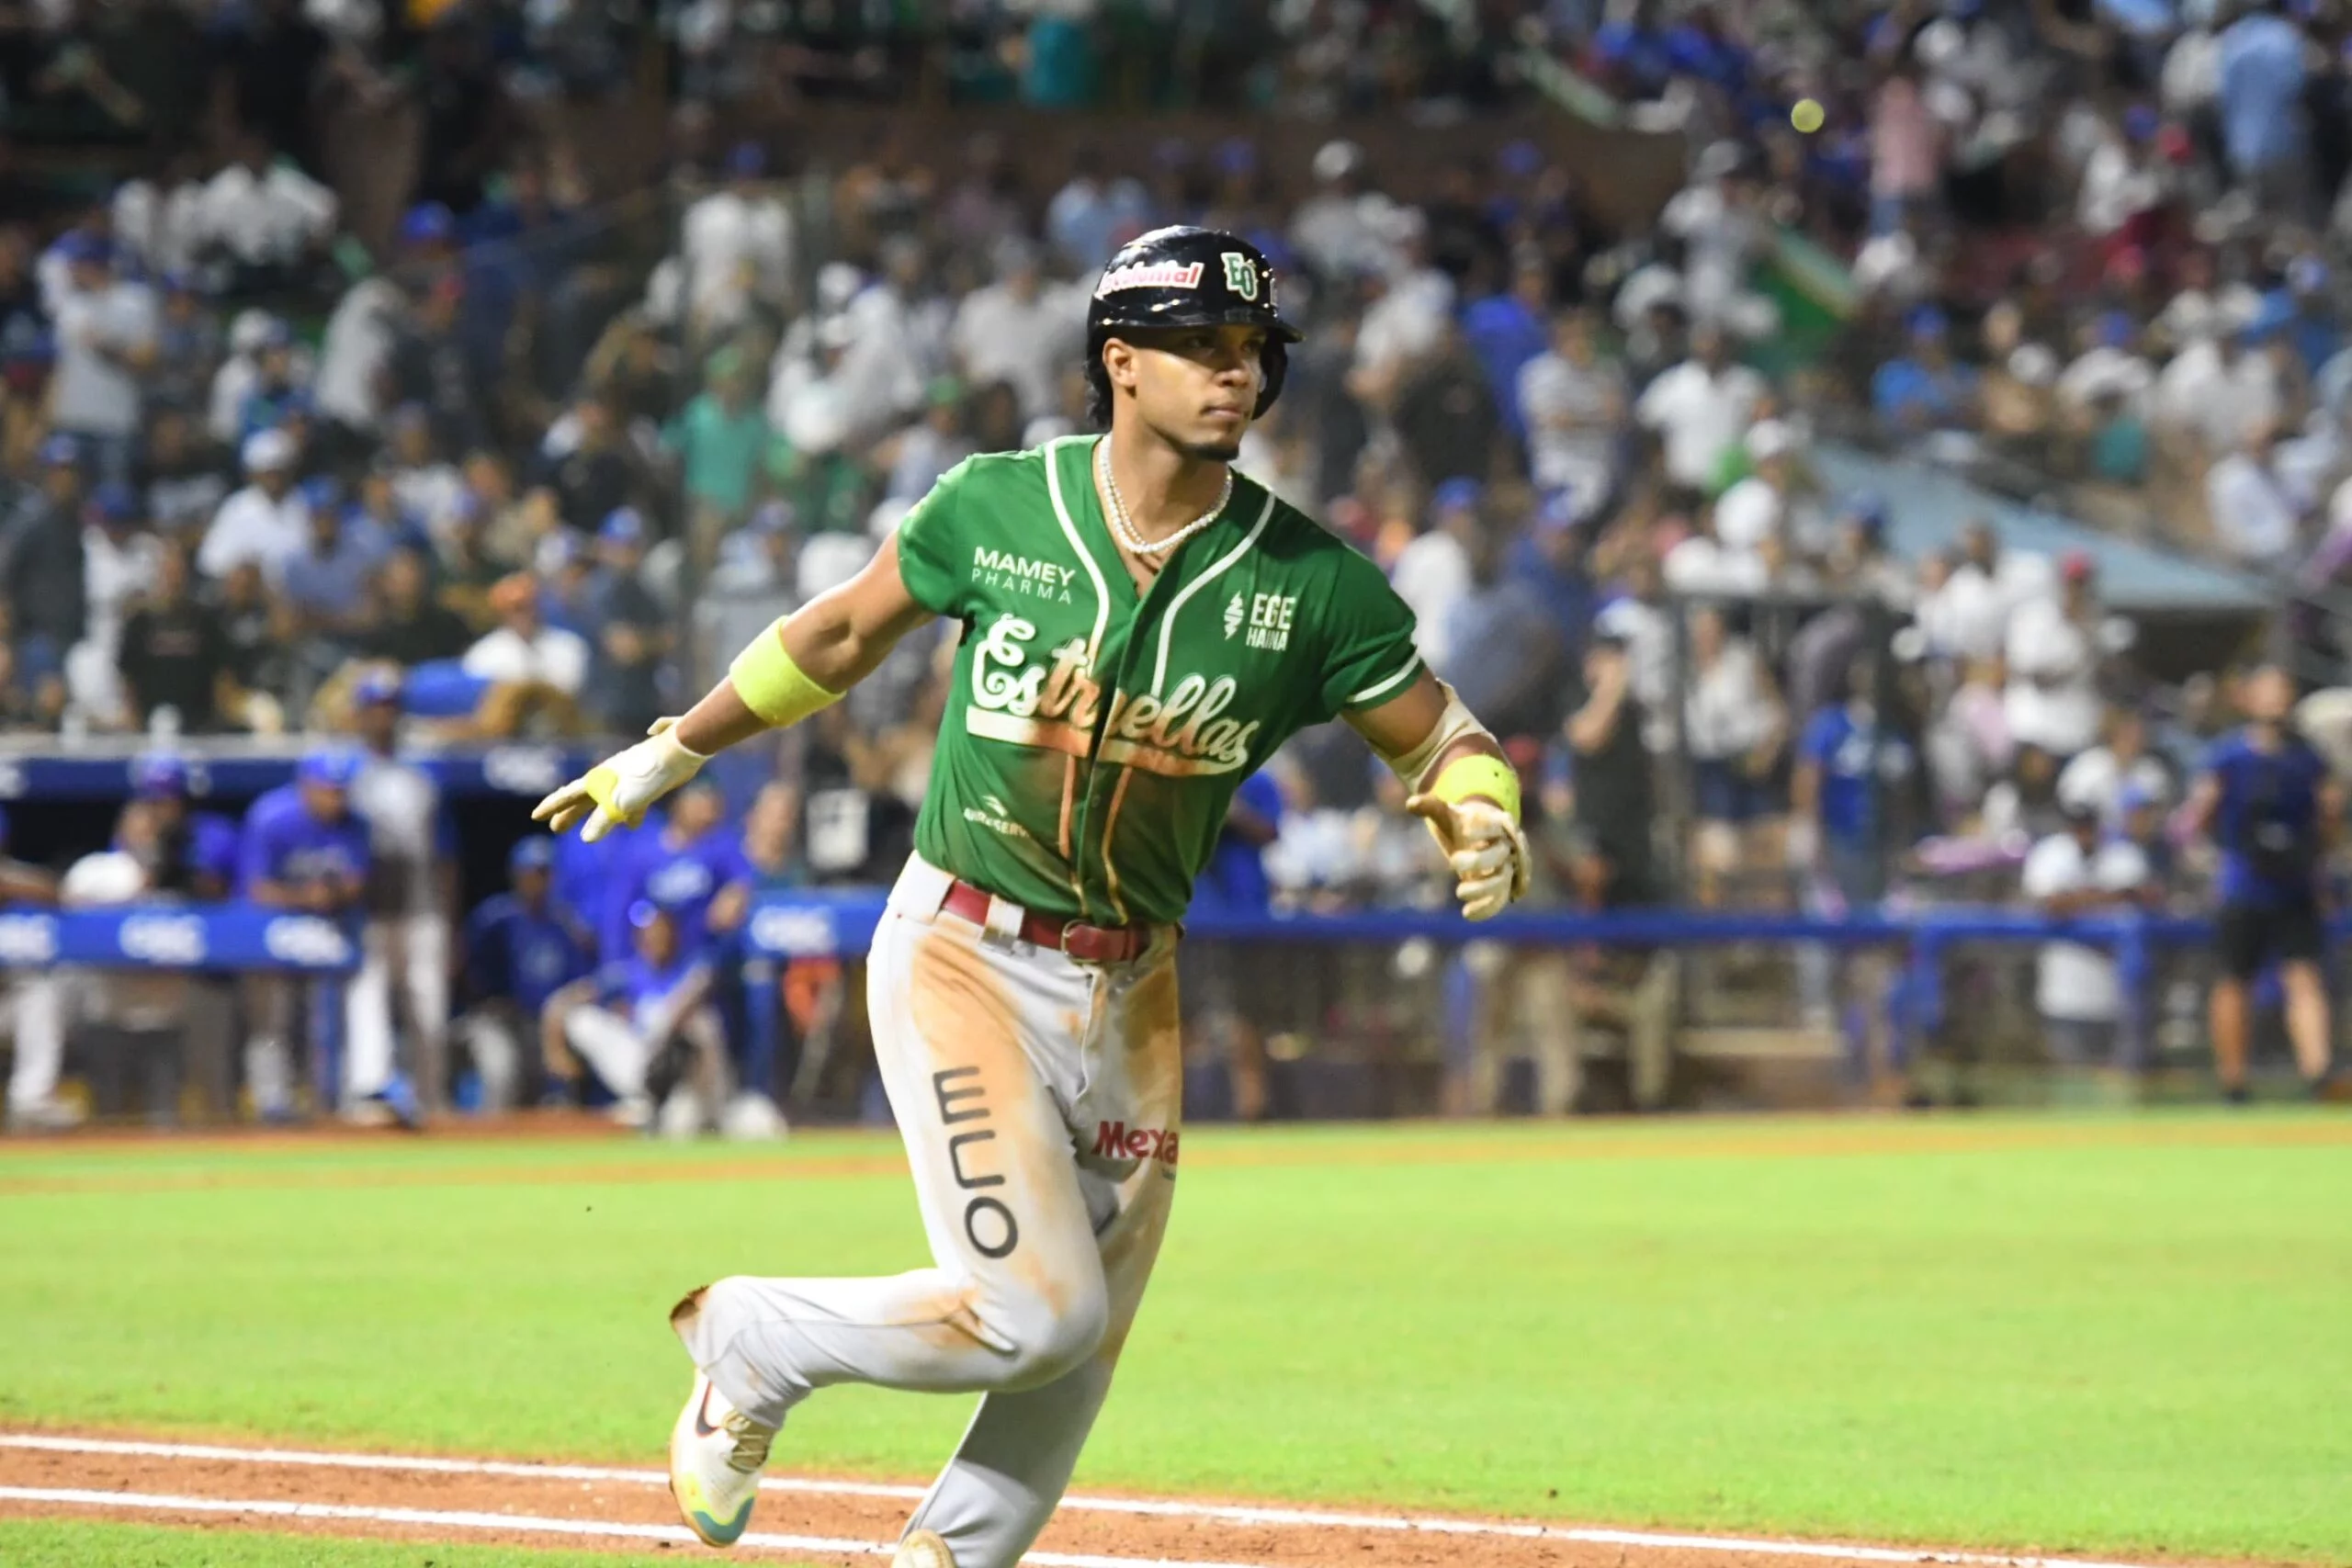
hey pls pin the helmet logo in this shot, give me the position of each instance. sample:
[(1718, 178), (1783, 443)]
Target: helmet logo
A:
[(1155, 274), (1240, 276)]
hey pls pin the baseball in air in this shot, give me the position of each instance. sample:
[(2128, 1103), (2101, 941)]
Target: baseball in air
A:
[(1807, 115)]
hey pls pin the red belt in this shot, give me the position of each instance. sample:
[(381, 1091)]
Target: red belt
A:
[(1087, 945)]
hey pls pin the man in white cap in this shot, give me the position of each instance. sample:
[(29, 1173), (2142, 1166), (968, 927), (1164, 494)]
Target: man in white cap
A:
[(267, 522)]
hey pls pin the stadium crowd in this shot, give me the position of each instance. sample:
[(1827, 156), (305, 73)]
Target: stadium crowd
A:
[(500, 476)]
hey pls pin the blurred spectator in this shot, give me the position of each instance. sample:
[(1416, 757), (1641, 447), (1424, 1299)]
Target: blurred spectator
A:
[(631, 634), (736, 249), (1432, 574), (105, 337), (1610, 769), (2119, 769), (1018, 330), (1573, 403), (42, 559), (1733, 729), (409, 626), (2083, 871), (2258, 515), (2052, 651), (588, 465), (1445, 416), (1699, 410), (266, 524), (524, 649), (119, 571), (175, 654), (723, 439)]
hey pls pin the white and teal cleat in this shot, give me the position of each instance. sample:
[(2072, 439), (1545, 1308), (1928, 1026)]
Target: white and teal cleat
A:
[(716, 1452)]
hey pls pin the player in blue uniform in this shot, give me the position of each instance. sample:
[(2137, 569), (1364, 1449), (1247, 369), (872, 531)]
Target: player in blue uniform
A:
[(692, 865), (520, 950), (656, 1006), (302, 850), (2265, 794), (194, 853)]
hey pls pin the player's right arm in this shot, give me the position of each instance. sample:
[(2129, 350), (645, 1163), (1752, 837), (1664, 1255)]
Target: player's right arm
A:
[(798, 666)]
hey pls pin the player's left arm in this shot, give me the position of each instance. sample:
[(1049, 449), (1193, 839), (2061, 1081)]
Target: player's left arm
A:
[(1458, 781)]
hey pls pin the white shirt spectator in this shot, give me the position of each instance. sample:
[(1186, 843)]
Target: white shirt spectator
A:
[(555, 656), (2078, 983), (1571, 413), (2103, 370), (2053, 696), (1648, 632), (1407, 322), (162, 229), (1728, 712), (357, 346), (402, 805), (431, 494), (1699, 414), (1432, 575), (1968, 617), (272, 217), (881, 370), (2254, 514), (1749, 514), (2115, 189), (250, 527), (2221, 402), (1709, 568), (2096, 779), (999, 336), (92, 392), (115, 574), (738, 247)]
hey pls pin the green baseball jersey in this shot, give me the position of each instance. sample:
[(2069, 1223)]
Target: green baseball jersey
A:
[(1096, 731)]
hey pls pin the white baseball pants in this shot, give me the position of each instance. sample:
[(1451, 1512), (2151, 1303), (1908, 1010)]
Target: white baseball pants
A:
[(40, 1007), (417, 948), (1038, 1099)]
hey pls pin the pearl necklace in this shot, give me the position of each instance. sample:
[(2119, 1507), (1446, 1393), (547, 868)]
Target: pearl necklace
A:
[(1123, 527)]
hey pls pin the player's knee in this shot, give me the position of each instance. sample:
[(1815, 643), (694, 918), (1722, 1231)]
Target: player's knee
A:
[(1056, 1334)]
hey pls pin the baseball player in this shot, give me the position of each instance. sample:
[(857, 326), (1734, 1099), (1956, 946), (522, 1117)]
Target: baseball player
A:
[(301, 850), (657, 1006), (412, 889), (520, 950), (1141, 626)]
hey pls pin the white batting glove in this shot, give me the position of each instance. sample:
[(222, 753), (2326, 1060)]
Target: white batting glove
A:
[(1484, 847), (617, 792)]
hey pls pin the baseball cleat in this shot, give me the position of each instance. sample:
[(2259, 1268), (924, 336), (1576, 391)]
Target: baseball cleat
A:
[(716, 1452), (923, 1549)]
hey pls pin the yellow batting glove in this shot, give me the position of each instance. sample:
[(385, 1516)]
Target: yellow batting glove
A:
[(618, 791)]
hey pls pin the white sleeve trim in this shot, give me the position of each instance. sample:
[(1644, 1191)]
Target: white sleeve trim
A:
[(1381, 688)]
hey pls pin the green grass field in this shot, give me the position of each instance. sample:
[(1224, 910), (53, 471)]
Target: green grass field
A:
[(2111, 1336)]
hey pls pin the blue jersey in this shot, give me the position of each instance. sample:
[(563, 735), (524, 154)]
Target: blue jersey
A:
[(640, 990), (1843, 751), (520, 956), (1235, 877), (584, 874), (682, 880), (2268, 822), (283, 842)]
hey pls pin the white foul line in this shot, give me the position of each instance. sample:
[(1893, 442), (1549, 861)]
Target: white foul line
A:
[(527, 1524), (1219, 1513)]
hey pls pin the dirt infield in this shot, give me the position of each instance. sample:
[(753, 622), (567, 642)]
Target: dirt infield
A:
[(444, 1500)]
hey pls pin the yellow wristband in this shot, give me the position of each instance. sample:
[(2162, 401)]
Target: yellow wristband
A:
[(772, 685), (1479, 773)]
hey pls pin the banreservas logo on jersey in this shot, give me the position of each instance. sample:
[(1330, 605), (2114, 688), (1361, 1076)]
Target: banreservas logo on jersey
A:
[(1025, 702)]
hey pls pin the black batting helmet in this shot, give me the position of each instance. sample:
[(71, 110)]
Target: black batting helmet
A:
[(1186, 277)]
